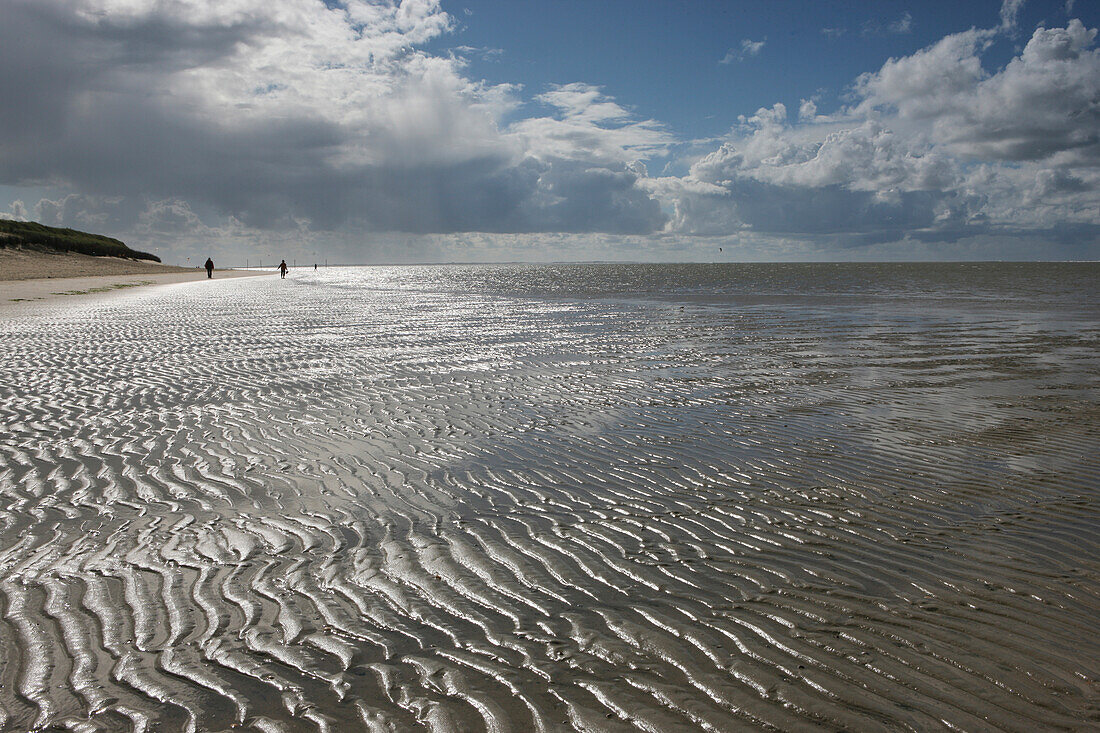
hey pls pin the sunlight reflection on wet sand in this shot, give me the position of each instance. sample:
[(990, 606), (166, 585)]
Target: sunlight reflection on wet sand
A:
[(517, 498)]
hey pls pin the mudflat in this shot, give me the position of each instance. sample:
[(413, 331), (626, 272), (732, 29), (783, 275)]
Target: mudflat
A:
[(599, 497)]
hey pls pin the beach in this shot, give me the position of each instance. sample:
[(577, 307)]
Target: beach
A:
[(562, 497), (32, 264), (34, 275)]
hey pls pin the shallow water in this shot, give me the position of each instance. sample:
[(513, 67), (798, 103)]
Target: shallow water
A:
[(594, 497)]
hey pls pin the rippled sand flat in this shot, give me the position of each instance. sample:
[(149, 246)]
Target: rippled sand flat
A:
[(552, 498)]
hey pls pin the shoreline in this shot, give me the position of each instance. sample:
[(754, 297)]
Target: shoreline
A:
[(30, 278), (19, 294)]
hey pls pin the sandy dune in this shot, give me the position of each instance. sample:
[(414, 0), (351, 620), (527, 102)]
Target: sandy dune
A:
[(29, 264)]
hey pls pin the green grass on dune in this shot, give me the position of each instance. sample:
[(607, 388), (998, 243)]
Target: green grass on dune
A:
[(35, 235)]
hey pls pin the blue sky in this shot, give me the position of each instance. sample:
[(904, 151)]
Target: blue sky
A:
[(480, 130), (663, 58)]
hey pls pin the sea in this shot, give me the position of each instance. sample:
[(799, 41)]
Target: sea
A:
[(591, 497)]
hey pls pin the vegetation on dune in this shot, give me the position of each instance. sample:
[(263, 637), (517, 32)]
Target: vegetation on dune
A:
[(35, 235)]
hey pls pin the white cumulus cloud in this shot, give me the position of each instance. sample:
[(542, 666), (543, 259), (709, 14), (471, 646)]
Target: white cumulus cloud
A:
[(17, 211), (747, 48), (934, 146)]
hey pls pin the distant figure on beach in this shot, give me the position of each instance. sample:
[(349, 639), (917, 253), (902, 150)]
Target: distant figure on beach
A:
[(282, 269), (209, 267), (315, 266)]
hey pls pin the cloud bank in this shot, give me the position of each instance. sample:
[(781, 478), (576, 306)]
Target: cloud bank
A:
[(278, 112), (932, 147), (303, 119)]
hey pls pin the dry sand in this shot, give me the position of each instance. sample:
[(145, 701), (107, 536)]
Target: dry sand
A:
[(29, 264), (28, 276)]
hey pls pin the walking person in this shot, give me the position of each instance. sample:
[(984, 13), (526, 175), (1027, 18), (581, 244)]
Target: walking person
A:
[(209, 267), (282, 269)]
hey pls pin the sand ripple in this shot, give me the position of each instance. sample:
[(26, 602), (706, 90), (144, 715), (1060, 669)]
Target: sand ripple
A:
[(393, 500)]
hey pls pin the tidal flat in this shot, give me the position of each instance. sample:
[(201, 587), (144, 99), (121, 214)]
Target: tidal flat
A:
[(557, 497)]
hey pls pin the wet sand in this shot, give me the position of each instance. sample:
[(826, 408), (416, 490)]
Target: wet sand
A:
[(490, 499)]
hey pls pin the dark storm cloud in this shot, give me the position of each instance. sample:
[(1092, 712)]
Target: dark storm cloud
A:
[(243, 113), (49, 55)]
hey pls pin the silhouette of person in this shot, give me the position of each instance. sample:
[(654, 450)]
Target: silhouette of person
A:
[(209, 267), (282, 269), (314, 265)]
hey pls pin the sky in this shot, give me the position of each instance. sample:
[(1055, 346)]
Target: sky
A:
[(356, 131)]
